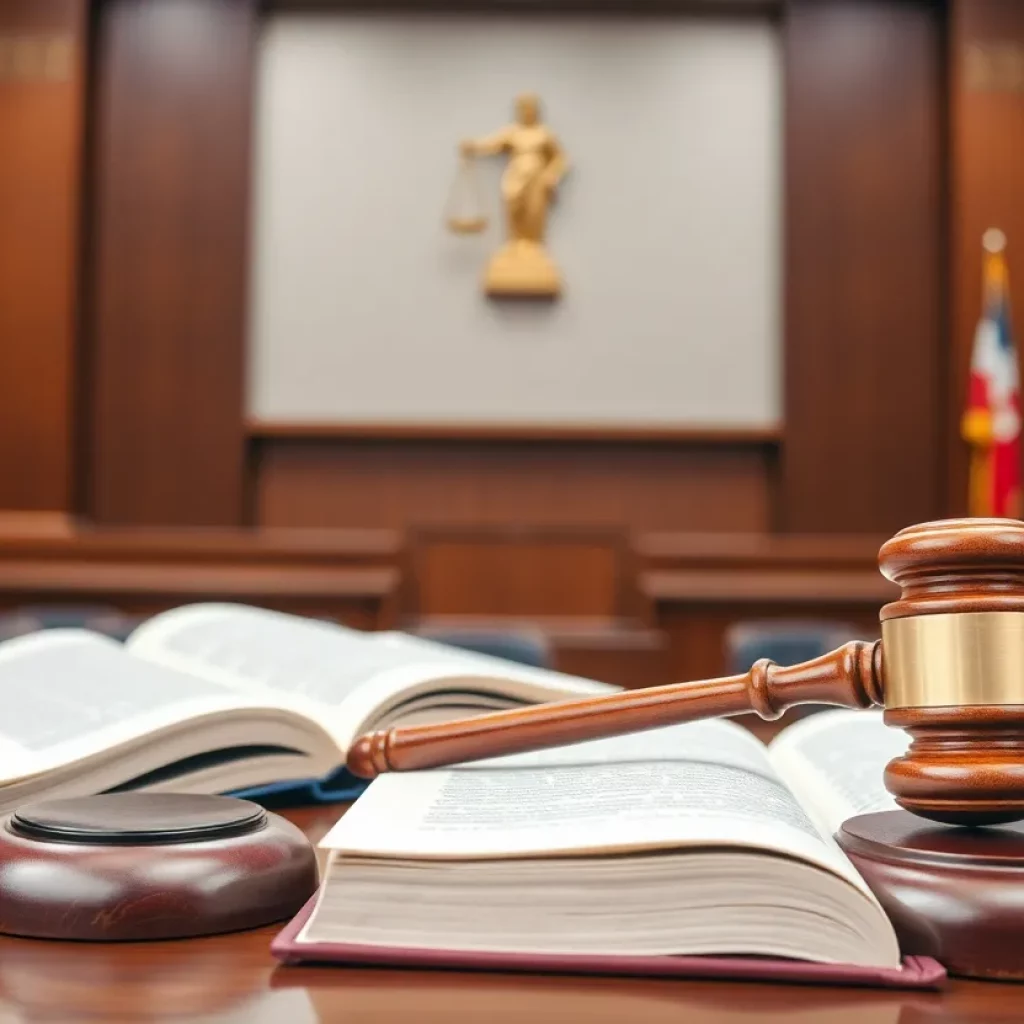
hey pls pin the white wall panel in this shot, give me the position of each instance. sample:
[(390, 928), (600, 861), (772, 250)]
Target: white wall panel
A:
[(364, 309)]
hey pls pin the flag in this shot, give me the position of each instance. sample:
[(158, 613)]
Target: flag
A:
[(991, 422)]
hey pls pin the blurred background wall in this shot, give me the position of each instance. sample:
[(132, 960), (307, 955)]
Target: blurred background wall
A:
[(240, 358)]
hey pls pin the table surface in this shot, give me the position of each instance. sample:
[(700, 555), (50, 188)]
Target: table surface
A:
[(234, 978)]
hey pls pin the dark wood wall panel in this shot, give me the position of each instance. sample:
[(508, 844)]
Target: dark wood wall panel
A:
[(864, 444), (349, 575), (698, 631), (698, 589), (987, 165), (42, 76), (520, 573), (171, 210), (403, 484)]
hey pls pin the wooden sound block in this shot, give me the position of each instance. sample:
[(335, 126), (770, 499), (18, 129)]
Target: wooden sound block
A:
[(952, 893), (149, 866)]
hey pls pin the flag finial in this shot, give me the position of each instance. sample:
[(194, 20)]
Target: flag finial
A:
[(993, 240)]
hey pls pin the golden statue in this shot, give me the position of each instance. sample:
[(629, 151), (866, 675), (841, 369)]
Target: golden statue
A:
[(536, 166)]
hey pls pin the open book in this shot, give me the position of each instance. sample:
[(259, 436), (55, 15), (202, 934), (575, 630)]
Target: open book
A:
[(215, 698), (688, 840)]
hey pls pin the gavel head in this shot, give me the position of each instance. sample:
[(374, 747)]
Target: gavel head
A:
[(953, 669)]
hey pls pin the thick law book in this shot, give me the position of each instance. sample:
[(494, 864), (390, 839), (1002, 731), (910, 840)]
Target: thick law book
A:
[(686, 850), (215, 698)]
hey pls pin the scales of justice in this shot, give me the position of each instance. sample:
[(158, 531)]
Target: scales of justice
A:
[(535, 168), (948, 867)]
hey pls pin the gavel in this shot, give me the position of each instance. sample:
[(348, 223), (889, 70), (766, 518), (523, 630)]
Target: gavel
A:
[(949, 669)]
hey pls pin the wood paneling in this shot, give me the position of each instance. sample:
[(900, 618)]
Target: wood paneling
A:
[(862, 446), (987, 179), (519, 573), (864, 437), (577, 587), (761, 550), (42, 87), (698, 632), (352, 576), (655, 610), (864, 440), (402, 484), (171, 211), (865, 386), (594, 434), (766, 570), (698, 587), (697, 635), (621, 652)]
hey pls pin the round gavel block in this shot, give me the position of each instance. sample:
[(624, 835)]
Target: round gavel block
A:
[(952, 893), (131, 866)]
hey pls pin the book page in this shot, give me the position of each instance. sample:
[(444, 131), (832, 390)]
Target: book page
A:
[(714, 742), (698, 784), (245, 647), (834, 761), (331, 665), (69, 693)]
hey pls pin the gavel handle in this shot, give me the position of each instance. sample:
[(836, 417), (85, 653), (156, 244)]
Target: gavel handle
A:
[(850, 676)]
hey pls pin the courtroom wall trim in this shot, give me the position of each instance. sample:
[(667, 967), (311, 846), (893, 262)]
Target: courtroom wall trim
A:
[(349, 575), (439, 431)]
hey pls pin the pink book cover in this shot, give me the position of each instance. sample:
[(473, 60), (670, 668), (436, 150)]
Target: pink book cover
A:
[(915, 972)]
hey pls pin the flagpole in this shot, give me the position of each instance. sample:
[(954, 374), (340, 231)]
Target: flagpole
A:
[(976, 426)]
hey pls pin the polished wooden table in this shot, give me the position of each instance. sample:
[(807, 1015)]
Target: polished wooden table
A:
[(233, 978)]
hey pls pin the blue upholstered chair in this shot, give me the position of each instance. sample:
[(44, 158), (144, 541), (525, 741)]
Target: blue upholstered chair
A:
[(784, 641), (98, 618)]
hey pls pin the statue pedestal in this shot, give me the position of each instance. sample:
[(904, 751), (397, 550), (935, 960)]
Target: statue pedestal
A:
[(952, 893), (522, 269)]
